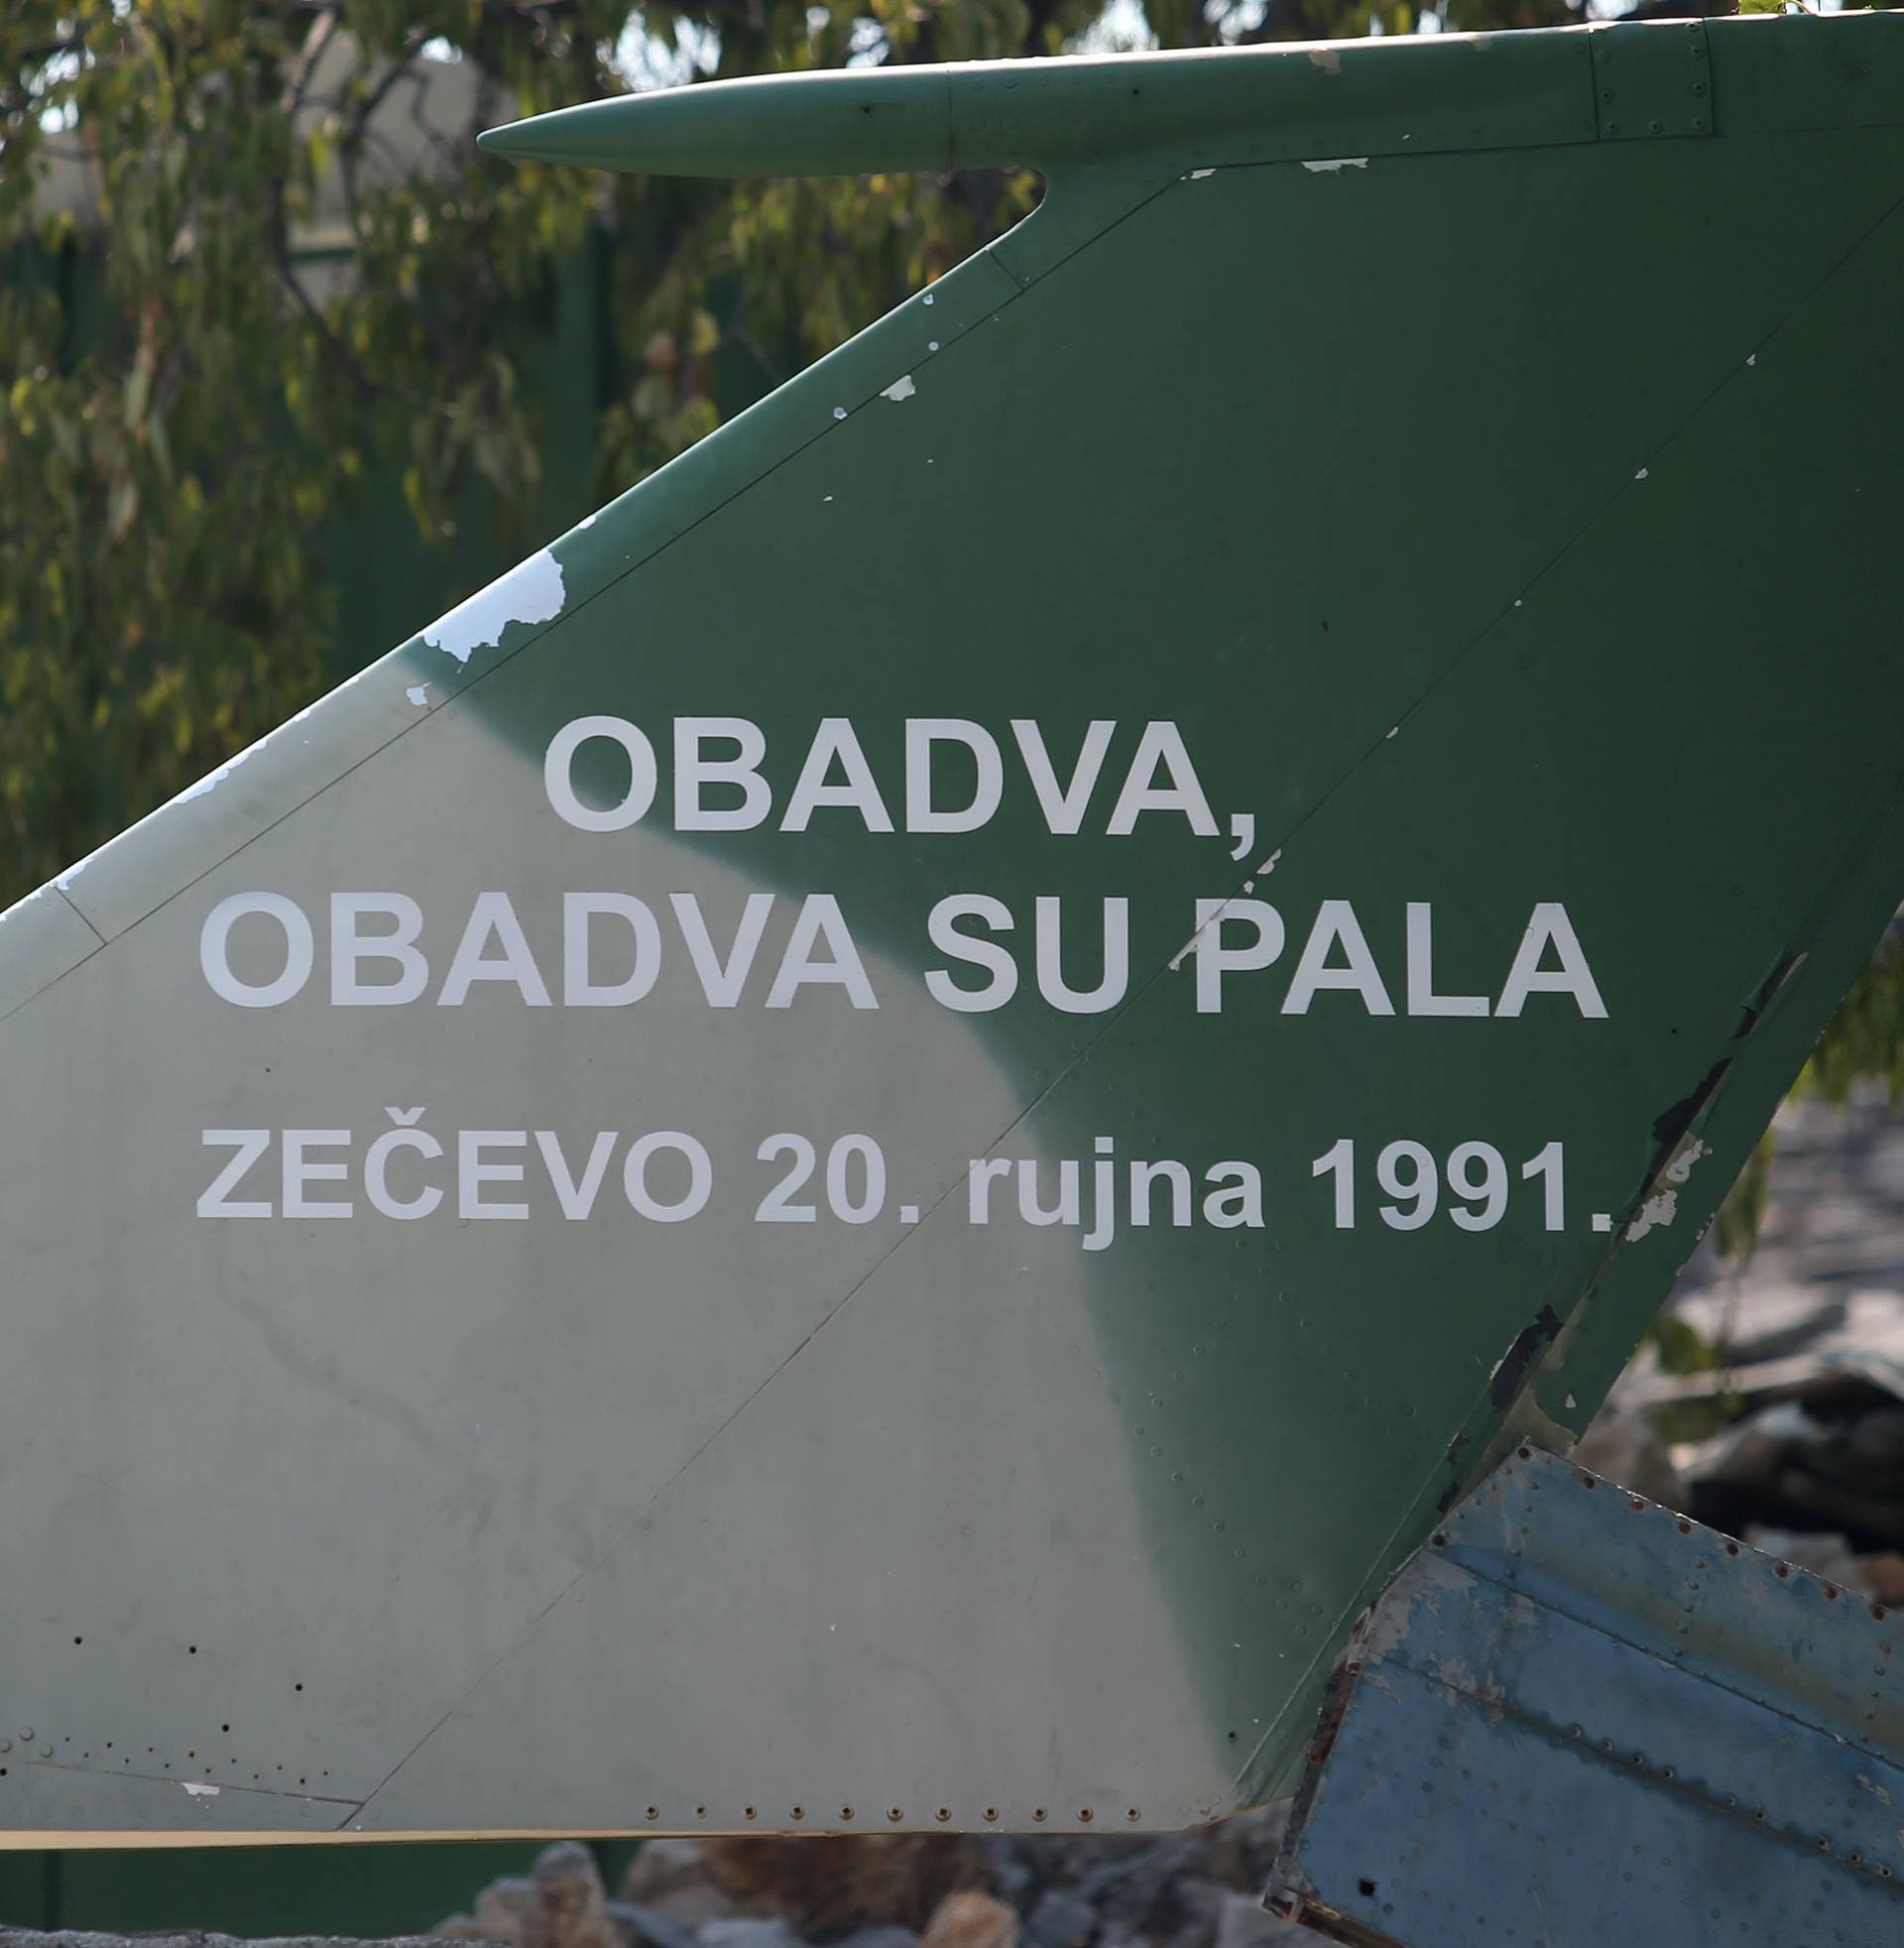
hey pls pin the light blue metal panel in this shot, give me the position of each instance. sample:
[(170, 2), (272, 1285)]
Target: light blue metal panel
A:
[(1577, 1717)]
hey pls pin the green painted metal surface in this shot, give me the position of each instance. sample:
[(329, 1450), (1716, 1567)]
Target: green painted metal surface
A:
[(404, 1888), (1351, 661)]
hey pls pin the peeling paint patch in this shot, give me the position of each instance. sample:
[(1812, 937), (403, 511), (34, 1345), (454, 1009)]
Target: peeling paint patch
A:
[(1662, 1206), (1326, 59), (901, 388), (1335, 163), (214, 779), (532, 591), (1657, 1210), (1215, 920), (199, 1790)]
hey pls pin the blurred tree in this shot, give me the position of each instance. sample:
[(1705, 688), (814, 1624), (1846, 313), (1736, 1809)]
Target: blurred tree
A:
[(185, 400), (183, 403), (179, 411)]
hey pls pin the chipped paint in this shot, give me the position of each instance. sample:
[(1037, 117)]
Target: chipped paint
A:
[(1660, 1209), (214, 779), (1197, 175), (587, 522), (532, 591), (901, 388), (1334, 165), (199, 1790), (418, 694), (19, 906), (1216, 919), (1326, 59), (204, 785), (839, 411), (1657, 1210), (1641, 474)]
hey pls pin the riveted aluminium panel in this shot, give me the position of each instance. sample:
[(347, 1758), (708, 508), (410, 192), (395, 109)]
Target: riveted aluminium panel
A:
[(1578, 1714), (676, 1340)]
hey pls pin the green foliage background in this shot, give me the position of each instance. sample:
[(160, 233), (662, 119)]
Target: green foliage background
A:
[(185, 409)]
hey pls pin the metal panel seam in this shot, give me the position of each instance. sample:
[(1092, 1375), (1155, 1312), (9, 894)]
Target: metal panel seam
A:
[(1546, 1600), (90, 928)]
